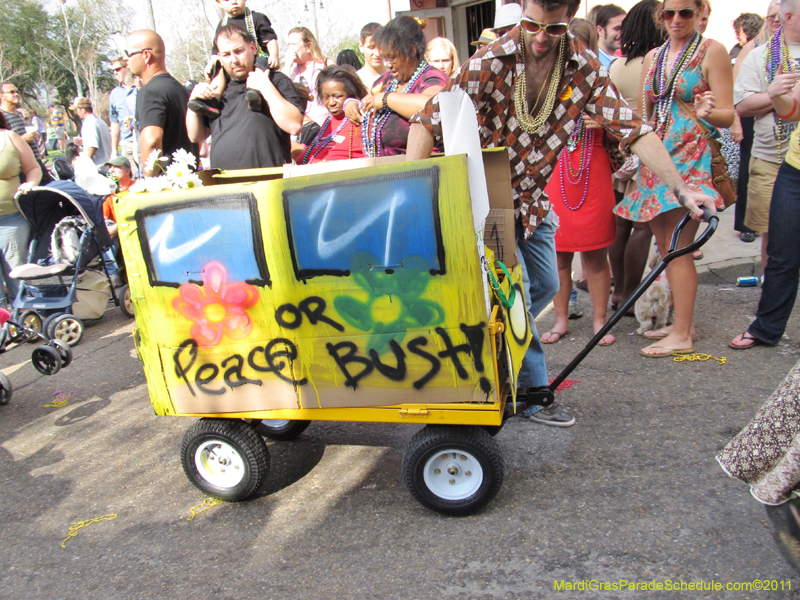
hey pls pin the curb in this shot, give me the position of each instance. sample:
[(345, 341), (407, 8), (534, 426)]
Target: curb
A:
[(727, 271)]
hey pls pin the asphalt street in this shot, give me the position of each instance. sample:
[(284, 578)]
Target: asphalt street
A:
[(631, 492)]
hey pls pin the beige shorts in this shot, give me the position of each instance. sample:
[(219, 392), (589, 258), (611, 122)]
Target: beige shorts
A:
[(759, 193)]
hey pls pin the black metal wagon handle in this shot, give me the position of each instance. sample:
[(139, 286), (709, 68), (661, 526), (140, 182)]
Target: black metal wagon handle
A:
[(708, 217)]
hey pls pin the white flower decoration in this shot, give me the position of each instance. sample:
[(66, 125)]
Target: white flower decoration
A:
[(182, 156)]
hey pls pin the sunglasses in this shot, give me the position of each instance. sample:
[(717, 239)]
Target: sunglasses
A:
[(129, 53), (553, 29), (116, 69), (669, 13), (11, 92)]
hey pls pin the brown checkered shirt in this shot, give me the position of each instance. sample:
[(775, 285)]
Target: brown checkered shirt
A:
[(488, 79)]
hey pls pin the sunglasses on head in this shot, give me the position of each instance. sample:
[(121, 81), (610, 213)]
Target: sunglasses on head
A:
[(669, 13), (552, 29)]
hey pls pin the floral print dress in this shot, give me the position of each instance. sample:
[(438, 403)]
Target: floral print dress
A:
[(687, 147)]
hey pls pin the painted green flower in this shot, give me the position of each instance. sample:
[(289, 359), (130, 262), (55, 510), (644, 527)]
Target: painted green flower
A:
[(394, 305)]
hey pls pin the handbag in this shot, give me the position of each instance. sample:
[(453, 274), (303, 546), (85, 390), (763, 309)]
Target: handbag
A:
[(719, 166)]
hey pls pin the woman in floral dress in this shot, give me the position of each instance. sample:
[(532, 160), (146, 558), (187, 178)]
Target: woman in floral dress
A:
[(697, 72)]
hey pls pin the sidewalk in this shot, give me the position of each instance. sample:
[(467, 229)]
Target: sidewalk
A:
[(726, 257)]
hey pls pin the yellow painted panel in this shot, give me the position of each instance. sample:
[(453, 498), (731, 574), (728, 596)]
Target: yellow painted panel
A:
[(327, 292)]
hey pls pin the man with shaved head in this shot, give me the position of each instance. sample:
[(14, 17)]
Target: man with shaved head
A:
[(161, 103)]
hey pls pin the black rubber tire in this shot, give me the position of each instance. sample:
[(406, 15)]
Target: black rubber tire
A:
[(436, 439), (123, 293), (493, 430), (6, 389), (67, 328), (46, 360), (64, 351), (285, 432), (247, 444), (48, 321)]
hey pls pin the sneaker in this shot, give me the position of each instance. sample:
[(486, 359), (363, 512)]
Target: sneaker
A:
[(554, 415), (208, 109), (748, 236), (575, 311), (253, 100)]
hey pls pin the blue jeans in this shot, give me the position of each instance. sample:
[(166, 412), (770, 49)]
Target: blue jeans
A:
[(782, 273), (14, 233), (537, 255)]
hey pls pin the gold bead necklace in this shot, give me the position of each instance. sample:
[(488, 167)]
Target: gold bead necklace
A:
[(533, 125)]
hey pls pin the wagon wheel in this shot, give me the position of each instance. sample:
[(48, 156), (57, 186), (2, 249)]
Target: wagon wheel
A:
[(281, 429), (454, 470), (225, 458), (6, 389)]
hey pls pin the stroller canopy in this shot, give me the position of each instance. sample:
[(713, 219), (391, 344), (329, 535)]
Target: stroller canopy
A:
[(44, 207)]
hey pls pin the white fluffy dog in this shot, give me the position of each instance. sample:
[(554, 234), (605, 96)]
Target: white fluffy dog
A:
[(654, 306)]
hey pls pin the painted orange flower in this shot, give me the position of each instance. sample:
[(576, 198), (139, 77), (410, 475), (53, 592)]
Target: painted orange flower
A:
[(218, 307)]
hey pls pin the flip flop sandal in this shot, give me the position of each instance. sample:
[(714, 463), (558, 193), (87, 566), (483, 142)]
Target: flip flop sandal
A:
[(672, 351), (746, 337), (551, 334), (655, 334)]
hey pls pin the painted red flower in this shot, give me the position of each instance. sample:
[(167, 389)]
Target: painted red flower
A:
[(217, 308)]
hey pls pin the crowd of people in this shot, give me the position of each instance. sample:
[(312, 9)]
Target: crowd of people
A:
[(607, 119)]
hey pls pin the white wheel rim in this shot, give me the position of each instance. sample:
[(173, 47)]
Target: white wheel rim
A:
[(127, 300), (453, 474), (33, 322), (275, 423), (219, 463), (67, 331)]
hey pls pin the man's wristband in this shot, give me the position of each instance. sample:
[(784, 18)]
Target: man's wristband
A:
[(791, 112)]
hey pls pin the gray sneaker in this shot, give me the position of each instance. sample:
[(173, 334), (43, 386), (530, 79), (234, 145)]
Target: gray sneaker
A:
[(554, 415)]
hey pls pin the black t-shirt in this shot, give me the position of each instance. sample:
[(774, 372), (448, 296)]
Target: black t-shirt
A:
[(262, 25), (162, 102), (244, 139)]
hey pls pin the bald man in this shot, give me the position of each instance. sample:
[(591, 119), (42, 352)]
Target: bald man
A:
[(161, 102)]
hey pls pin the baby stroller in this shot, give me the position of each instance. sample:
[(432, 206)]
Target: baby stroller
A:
[(65, 260), (48, 359)]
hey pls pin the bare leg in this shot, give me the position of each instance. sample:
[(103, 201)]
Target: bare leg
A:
[(682, 277), (636, 253), (617, 253), (561, 299), (599, 275)]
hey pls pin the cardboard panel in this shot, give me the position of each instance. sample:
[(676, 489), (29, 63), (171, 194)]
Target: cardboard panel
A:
[(278, 294)]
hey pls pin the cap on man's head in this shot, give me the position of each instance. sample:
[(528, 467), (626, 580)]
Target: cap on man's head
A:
[(487, 37), (507, 15), (80, 102), (119, 161), (51, 106)]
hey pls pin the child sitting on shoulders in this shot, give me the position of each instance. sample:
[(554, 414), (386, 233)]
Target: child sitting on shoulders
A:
[(266, 41)]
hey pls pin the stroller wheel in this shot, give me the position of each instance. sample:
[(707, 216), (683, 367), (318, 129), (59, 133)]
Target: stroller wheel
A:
[(18, 329), (48, 321), (64, 351), (67, 328), (46, 360), (124, 296), (5, 389), (31, 320)]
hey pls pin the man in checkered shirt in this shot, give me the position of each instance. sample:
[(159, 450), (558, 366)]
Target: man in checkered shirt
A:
[(489, 78)]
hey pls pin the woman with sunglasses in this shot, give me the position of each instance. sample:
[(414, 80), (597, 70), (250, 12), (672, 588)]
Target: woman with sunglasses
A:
[(685, 79), (400, 93)]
